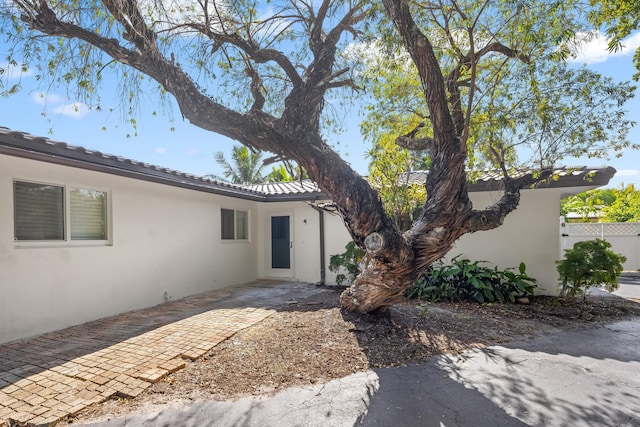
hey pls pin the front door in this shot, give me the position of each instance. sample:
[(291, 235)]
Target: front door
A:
[(281, 246)]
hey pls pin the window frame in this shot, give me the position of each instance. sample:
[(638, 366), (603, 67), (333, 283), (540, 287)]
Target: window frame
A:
[(247, 228), (67, 240)]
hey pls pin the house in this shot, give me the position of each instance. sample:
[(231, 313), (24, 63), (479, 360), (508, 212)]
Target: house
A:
[(85, 235), (575, 217)]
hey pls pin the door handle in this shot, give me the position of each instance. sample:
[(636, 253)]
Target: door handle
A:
[(290, 245)]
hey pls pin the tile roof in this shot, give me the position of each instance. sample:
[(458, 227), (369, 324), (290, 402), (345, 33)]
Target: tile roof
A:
[(294, 187), (491, 180), (22, 144)]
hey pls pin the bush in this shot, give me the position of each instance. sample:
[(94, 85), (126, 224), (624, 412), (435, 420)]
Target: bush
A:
[(463, 280), (348, 261), (590, 263)]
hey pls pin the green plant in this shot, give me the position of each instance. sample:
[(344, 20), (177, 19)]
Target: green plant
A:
[(590, 263), (464, 280), (348, 261)]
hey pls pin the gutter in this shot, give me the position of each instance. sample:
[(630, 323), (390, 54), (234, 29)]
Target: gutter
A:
[(322, 256)]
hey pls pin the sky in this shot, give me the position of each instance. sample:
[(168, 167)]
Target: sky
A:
[(189, 149)]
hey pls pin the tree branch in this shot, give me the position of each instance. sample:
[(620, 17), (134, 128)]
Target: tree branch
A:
[(410, 142), (493, 216), (136, 31), (498, 47), (252, 51), (423, 55), (256, 87), (42, 18)]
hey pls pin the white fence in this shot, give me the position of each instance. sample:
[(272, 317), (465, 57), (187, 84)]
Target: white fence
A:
[(623, 236)]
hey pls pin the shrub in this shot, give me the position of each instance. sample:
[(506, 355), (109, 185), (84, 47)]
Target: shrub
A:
[(590, 263), (347, 263), (464, 280)]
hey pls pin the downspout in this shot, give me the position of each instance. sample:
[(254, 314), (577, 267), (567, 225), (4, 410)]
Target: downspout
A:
[(322, 257)]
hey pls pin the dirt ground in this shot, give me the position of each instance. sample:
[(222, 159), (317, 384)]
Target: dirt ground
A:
[(312, 340)]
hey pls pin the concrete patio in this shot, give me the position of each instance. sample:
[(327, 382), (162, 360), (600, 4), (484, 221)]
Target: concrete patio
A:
[(51, 376)]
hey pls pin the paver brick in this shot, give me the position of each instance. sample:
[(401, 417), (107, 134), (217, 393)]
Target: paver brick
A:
[(5, 411), (153, 375), (35, 400), (21, 418), (47, 378)]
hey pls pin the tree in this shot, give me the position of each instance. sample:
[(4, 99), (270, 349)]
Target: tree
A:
[(389, 173), (589, 263), (587, 202), (625, 207), (279, 174), (621, 17), (262, 75), (245, 167), (615, 204)]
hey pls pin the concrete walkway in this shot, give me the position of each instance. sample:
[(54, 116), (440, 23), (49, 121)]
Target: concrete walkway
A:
[(48, 377)]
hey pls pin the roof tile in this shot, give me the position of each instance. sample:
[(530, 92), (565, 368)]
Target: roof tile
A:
[(22, 144)]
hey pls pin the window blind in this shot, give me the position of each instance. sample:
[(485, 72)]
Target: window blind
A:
[(38, 211), (88, 214)]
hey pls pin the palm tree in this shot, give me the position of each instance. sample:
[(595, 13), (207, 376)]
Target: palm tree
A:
[(245, 166)]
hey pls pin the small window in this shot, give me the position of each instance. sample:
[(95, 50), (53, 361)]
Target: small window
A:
[(88, 214), (235, 224), (39, 212)]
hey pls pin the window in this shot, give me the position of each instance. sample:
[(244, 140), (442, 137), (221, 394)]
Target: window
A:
[(40, 213), (235, 224), (88, 214)]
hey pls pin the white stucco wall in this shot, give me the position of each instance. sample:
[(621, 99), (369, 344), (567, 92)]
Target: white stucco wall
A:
[(163, 239), (529, 235), (337, 238)]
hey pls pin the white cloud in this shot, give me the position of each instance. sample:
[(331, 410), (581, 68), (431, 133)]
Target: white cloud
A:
[(160, 150), (178, 12), (42, 98), (76, 110), (591, 48), (13, 72), (193, 152), (628, 172)]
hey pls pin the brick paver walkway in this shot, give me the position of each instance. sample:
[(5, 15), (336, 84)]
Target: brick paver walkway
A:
[(46, 378)]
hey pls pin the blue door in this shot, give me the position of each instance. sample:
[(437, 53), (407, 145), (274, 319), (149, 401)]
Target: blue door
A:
[(280, 242)]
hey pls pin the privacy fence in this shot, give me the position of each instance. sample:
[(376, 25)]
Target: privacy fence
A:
[(623, 236)]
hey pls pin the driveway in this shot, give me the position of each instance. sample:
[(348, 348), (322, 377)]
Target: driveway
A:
[(629, 285), (584, 377)]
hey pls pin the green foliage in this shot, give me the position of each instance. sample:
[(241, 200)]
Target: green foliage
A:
[(590, 263), (614, 204), (287, 171), (389, 170), (464, 280), (621, 17), (528, 113), (279, 174), (245, 166), (625, 207), (347, 264)]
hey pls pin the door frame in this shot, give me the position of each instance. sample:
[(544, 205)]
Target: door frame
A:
[(280, 272)]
